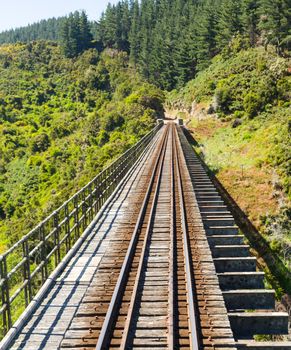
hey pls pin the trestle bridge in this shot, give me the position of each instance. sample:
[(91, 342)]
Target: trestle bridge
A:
[(146, 256)]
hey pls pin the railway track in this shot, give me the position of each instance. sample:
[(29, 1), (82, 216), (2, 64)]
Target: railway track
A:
[(163, 266), (153, 303), (148, 300), (167, 280)]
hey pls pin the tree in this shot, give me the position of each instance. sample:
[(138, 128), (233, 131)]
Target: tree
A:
[(146, 31), (85, 35), (229, 22), (169, 41), (275, 23), (76, 36), (250, 19), (204, 29), (134, 33)]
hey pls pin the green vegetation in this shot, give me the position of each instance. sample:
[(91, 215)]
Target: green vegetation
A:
[(46, 29), (76, 35), (69, 106), (171, 40), (61, 121), (239, 110)]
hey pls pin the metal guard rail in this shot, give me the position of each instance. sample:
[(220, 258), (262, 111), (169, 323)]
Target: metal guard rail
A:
[(26, 266)]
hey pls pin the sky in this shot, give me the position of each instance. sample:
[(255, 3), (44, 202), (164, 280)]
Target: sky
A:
[(18, 13)]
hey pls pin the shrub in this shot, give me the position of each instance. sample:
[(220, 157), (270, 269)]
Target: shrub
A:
[(40, 143), (102, 138), (252, 104), (223, 99)]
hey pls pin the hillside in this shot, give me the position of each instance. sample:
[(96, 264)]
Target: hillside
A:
[(70, 106), (239, 112), (46, 29), (61, 121), (169, 41)]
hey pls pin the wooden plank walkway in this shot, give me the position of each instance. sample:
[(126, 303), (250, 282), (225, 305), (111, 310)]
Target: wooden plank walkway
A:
[(47, 326)]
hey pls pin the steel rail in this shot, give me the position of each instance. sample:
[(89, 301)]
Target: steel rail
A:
[(106, 330), (171, 287), (128, 323), (192, 310)]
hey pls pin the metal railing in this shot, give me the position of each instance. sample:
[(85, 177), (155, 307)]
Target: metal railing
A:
[(26, 266)]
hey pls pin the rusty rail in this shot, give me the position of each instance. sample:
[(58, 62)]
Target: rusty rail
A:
[(105, 334), (149, 205)]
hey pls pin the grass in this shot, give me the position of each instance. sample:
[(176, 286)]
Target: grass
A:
[(241, 157)]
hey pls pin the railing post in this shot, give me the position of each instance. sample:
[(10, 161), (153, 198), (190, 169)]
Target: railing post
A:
[(7, 322), (26, 273), (76, 217), (57, 238), (103, 187), (90, 202), (84, 210), (117, 173), (96, 196), (4, 315), (111, 179), (44, 270), (67, 228), (120, 170), (104, 178)]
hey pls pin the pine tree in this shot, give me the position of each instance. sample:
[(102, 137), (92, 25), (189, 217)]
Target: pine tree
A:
[(204, 30), (134, 37), (185, 62), (160, 66), (110, 27), (68, 38), (250, 19), (75, 34), (85, 32), (229, 23), (125, 26), (275, 23), (147, 11)]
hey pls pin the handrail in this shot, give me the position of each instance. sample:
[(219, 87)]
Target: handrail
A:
[(25, 266)]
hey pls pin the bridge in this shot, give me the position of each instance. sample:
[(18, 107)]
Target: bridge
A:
[(146, 256)]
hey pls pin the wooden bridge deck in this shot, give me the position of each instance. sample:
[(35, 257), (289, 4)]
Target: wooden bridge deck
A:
[(47, 327), (163, 254)]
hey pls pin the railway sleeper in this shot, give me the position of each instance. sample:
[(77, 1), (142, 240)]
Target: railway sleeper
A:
[(207, 202), (214, 213), (224, 240), (218, 221), (221, 230), (208, 197), (213, 208), (248, 324), (228, 251), (265, 345), (234, 264), (241, 280), (249, 299)]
